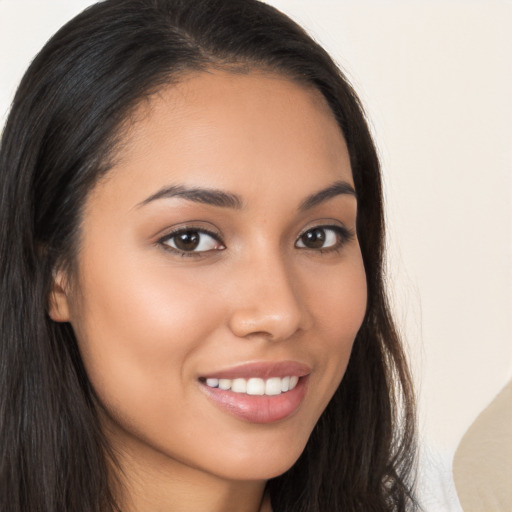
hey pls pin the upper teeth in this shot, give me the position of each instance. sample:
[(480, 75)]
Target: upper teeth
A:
[(255, 386)]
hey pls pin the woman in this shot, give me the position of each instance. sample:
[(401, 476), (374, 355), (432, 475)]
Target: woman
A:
[(191, 261)]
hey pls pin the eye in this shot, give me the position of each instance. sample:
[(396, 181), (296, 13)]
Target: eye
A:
[(192, 241), (323, 237)]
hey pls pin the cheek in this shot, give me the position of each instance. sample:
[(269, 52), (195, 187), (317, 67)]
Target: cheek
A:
[(138, 326), (340, 304), (337, 298), (140, 339)]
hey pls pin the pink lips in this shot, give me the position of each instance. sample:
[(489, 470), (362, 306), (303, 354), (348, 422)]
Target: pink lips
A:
[(260, 408), (262, 370)]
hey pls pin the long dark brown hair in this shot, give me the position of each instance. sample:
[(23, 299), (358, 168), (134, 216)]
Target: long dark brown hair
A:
[(59, 139)]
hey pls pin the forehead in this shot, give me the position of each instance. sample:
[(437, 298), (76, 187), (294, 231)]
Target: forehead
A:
[(228, 130)]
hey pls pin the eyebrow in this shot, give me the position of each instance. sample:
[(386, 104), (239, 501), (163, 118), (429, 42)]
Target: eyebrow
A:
[(228, 200), (198, 195), (336, 189)]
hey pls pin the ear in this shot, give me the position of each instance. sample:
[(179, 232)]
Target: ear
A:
[(58, 305)]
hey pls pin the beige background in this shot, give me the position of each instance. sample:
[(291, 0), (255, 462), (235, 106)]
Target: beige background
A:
[(482, 465), (435, 77)]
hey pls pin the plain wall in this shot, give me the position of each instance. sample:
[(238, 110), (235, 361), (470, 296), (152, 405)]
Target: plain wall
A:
[(435, 77)]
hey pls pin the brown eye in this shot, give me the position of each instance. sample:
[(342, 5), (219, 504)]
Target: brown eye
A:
[(192, 240), (187, 241), (314, 238), (323, 237)]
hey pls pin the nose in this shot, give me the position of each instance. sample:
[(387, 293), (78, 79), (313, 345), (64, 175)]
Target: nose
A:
[(267, 301)]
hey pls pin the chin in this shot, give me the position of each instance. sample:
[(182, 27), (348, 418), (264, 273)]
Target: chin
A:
[(259, 464)]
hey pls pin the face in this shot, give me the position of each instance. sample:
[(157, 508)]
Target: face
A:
[(220, 284)]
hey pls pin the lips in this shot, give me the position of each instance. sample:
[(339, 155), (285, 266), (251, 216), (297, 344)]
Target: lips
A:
[(258, 392), (261, 370)]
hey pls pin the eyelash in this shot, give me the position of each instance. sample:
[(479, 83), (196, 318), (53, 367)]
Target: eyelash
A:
[(343, 235)]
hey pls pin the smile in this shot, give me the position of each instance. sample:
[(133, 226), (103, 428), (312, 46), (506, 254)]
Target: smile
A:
[(255, 386), (264, 392)]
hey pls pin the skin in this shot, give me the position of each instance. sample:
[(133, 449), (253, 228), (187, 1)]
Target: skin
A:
[(150, 321)]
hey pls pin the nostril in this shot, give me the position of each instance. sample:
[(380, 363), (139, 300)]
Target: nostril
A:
[(259, 334), (258, 324)]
